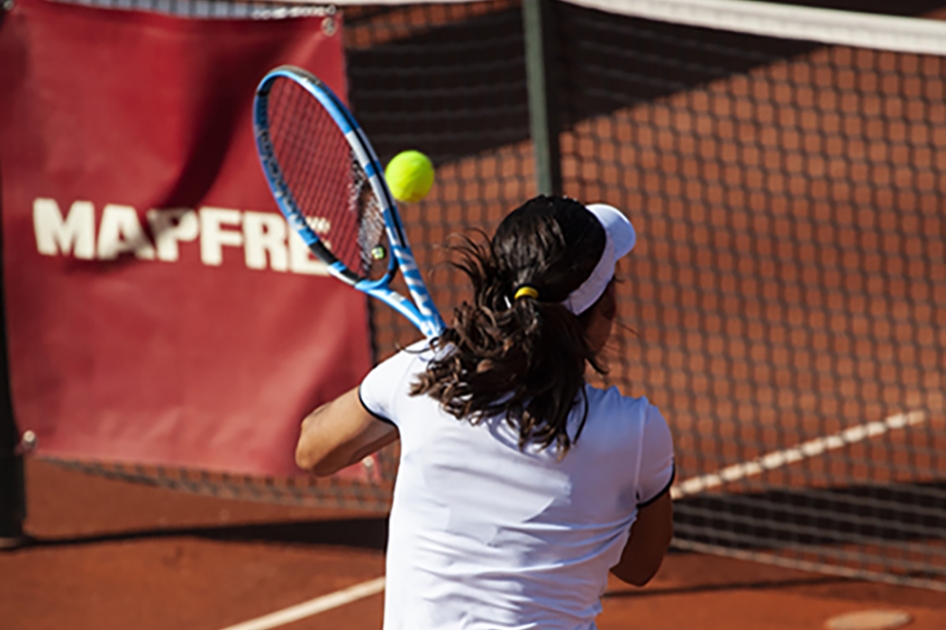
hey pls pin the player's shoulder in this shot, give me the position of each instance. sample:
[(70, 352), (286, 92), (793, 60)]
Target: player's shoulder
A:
[(609, 402), (612, 396), (388, 384), (419, 352)]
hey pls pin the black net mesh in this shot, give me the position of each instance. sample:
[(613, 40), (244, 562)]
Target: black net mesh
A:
[(447, 80), (786, 302), (787, 288)]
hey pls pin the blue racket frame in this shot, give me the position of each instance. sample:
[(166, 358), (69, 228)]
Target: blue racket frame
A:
[(422, 312)]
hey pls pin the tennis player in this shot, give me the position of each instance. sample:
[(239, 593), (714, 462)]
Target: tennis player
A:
[(520, 485)]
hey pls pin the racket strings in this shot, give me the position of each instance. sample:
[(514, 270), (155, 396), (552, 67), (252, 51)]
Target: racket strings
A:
[(372, 238), (328, 186)]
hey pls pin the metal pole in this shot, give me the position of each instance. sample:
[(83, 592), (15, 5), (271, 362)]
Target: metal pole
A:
[(12, 484), (541, 71)]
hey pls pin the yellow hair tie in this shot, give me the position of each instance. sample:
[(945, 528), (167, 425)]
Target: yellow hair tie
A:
[(526, 291)]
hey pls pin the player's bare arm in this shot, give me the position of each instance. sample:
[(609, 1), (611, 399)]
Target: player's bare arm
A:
[(340, 433), (648, 542)]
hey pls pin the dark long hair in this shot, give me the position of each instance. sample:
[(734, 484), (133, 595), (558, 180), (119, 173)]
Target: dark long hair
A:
[(523, 358)]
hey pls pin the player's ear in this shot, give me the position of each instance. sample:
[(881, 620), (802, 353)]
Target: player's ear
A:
[(608, 302), (599, 318)]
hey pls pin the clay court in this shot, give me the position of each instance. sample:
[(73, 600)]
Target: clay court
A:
[(112, 555)]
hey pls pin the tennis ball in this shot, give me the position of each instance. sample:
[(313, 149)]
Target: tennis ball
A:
[(410, 176)]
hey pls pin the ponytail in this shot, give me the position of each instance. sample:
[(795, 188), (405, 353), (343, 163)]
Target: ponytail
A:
[(515, 351)]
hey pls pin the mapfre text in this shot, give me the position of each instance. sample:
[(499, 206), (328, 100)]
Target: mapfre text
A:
[(264, 237)]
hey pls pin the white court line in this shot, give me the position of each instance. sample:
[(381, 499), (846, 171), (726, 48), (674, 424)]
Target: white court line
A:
[(777, 459), (312, 607)]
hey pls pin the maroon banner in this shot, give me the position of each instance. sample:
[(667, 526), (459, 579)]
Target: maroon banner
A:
[(159, 310)]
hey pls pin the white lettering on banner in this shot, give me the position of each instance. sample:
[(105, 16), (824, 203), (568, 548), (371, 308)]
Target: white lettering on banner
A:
[(319, 225), (120, 232), (171, 227), (75, 235), (212, 235), (265, 233), (301, 259), (265, 237)]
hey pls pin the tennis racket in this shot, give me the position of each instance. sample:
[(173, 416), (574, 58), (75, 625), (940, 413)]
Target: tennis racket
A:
[(329, 184)]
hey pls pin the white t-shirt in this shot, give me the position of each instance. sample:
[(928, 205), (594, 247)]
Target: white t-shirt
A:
[(484, 536)]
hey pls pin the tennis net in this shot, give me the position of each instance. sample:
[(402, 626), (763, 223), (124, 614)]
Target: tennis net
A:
[(786, 169)]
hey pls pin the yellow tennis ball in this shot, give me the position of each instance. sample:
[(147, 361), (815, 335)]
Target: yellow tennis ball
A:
[(410, 176)]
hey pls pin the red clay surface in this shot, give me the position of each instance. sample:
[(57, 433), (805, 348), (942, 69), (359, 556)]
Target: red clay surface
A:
[(113, 555)]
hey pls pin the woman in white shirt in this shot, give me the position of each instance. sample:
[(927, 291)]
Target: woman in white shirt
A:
[(520, 485)]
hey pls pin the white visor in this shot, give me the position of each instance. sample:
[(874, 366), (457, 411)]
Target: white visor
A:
[(620, 240)]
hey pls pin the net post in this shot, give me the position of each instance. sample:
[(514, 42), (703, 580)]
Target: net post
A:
[(539, 30), (12, 477)]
